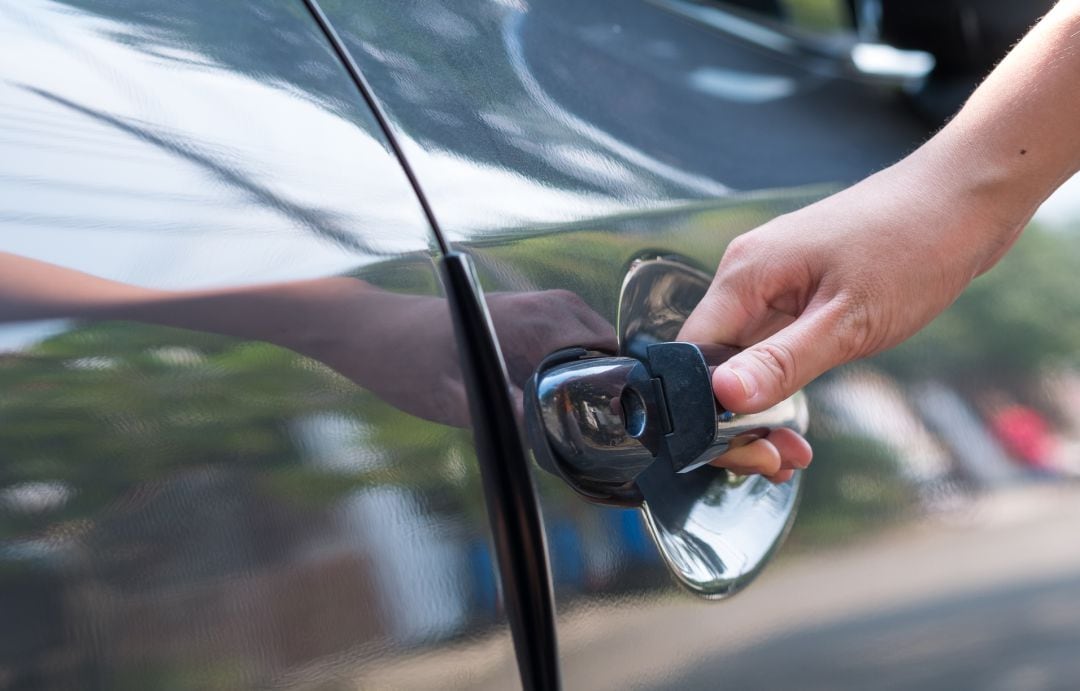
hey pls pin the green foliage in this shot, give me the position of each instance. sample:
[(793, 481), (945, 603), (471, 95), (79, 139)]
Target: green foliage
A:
[(212, 675), (105, 407), (819, 15)]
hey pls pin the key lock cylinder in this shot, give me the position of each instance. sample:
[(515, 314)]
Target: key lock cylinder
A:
[(599, 421)]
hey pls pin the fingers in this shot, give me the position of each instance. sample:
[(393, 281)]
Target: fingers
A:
[(794, 450), (602, 331), (591, 330), (759, 457), (772, 370), (716, 319), (746, 305), (776, 457)]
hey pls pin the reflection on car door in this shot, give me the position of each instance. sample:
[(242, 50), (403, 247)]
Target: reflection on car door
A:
[(234, 444), (559, 143)]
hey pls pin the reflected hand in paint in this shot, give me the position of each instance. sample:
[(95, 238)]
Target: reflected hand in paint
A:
[(379, 339)]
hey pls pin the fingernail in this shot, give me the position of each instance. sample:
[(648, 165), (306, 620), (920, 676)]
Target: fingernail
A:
[(745, 381)]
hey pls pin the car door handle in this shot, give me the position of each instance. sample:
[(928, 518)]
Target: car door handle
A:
[(601, 421)]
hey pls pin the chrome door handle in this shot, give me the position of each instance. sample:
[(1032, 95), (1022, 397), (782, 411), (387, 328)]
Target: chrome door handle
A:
[(596, 420), (601, 421)]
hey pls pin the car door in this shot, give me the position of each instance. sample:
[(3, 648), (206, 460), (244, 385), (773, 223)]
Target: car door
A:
[(573, 150), (235, 448)]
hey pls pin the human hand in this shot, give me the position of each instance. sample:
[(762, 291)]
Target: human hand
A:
[(420, 372), (844, 278), (399, 346), (532, 325), (413, 364)]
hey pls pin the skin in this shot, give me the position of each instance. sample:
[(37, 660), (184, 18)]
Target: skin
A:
[(328, 319), (842, 279), (864, 269)]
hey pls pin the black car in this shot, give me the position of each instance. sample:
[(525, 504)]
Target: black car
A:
[(333, 355)]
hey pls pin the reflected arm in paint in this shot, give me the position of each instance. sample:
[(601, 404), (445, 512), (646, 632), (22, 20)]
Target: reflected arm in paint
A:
[(399, 346)]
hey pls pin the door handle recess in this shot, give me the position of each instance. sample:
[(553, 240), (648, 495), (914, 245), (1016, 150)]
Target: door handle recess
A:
[(600, 421)]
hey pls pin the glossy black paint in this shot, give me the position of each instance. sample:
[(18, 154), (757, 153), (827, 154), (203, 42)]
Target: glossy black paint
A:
[(513, 511), (376, 111), (232, 484), (516, 114), (968, 37), (234, 448), (560, 144), (512, 507)]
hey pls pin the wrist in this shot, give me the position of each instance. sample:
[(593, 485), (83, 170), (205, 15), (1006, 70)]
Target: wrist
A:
[(1013, 143), (986, 195)]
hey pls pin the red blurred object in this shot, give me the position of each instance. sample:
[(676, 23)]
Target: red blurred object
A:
[(1026, 435)]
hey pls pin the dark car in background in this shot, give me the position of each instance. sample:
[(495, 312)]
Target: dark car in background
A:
[(280, 281)]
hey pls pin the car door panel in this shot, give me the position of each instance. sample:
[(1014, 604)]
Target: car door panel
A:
[(563, 111), (559, 143), (235, 449), (254, 468)]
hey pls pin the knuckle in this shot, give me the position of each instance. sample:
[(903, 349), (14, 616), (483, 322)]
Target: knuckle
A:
[(568, 299), (738, 251), (853, 331), (779, 359), (564, 295), (769, 462), (735, 277), (854, 321), (753, 263)]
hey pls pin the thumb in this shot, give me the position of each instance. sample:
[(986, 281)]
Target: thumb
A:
[(770, 371)]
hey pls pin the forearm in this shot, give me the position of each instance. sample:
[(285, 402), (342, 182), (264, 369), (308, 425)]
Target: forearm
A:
[(303, 315), (1018, 136), (299, 314), (32, 289)]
